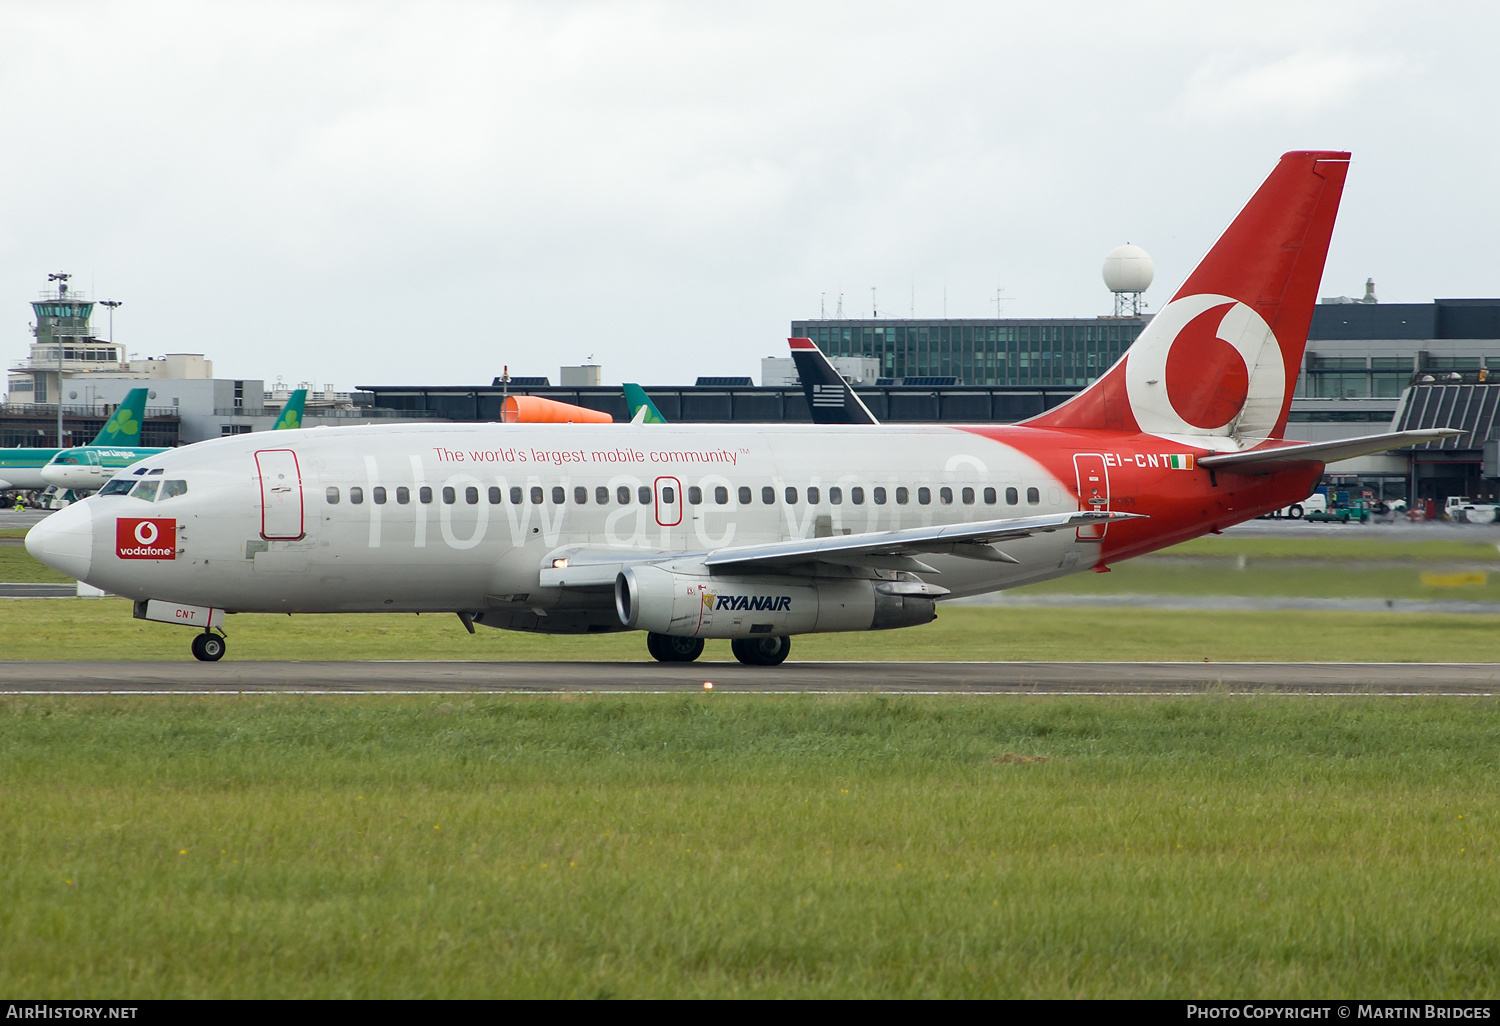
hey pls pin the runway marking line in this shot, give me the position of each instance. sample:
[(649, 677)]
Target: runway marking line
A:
[(1014, 693)]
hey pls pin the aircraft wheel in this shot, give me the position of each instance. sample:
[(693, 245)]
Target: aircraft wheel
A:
[(208, 648), (761, 651), (665, 648)]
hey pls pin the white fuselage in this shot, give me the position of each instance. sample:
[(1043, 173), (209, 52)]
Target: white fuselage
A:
[(421, 518)]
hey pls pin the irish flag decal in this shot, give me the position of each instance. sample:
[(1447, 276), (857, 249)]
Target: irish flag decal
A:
[(1182, 461)]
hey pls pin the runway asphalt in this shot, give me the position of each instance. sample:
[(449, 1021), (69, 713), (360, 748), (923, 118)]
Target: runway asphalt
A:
[(182, 678)]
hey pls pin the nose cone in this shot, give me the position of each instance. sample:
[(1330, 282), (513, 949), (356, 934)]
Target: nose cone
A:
[(65, 540)]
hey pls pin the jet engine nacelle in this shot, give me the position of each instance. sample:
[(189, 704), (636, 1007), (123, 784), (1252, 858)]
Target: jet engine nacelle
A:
[(652, 598)]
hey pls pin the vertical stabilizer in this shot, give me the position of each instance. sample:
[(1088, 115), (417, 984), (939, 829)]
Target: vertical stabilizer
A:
[(291, 414), (1217, 366), (830, 398), (642, 409), (124, 425)]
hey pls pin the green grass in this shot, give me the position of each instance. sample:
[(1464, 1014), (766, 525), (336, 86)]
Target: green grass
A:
[(1274, 577), (48, 629), (1325, 545), (17, 566), (722, 845)]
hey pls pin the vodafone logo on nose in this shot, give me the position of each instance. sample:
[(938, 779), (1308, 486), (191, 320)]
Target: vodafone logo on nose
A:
[(145, 538)]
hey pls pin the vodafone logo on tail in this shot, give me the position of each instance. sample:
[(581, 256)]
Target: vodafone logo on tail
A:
[(145, 538), (1207, 366)]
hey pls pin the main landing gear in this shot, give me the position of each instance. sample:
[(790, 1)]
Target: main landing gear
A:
[(664, 648), (761, 651), (208, 648)]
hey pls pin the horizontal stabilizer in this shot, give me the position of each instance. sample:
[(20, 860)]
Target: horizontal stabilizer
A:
[(1322, 452)]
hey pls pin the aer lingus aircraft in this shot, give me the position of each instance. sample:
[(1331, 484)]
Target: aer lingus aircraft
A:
[(23, 468), (86, 468), (752, 533)]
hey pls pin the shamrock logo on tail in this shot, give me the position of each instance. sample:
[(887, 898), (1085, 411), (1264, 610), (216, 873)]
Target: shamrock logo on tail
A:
[(123, 423), (293, 420)]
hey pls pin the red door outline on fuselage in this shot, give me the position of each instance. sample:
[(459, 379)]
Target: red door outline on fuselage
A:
[(280, 494), (668, 493), (1093, 491)]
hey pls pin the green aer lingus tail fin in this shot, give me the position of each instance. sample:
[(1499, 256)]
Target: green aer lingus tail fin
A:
[(124, 425), (642, 409), (291, 413)]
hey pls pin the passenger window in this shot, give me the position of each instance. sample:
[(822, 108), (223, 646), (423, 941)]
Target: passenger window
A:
[(924, 496), (814, 496), (171, 489), (744, 495), (768, 495), (989, 496), (449, 496), (643, 495), (721, 495), (1033, 496), (902, 496), (668, 495), (1012, 496), (968, 496), (695, 494), (333, 493), (147, 490), (536, 495), (403, 495), (601, 495), (471, 495), (494, 495), (378, 494), (945, 495), (424, 495), (356, 496), (857, 496), (515, 495), (879, 496), (835, 495), (791, 496), (116, 488), (580, 495), (559, 495), (622, 495)]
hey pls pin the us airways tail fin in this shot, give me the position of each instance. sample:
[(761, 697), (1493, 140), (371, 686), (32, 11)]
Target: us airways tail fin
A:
[(124, 425), (642, 409), (291, 414), (829, 396), (1218, 365)]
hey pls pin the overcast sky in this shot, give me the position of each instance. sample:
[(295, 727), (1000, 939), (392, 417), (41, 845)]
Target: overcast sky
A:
[(386, 193)]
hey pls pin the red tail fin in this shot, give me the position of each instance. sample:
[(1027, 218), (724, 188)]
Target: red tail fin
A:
[(1219, 363)]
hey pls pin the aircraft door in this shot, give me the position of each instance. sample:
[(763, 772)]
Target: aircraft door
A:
[(281, 517), (1093, 491), (95, 467), (668, 501)]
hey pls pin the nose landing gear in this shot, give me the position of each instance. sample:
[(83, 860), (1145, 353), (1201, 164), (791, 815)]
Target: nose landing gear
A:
[(208, 648)]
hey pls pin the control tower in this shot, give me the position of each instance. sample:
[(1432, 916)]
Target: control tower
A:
[(64, 345)]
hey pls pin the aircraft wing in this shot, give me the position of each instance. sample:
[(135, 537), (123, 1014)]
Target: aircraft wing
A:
[(896, 550), (594, 567), (1322, 452)]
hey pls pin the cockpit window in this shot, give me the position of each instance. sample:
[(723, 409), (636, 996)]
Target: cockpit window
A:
[(118, 486), (170, 489), (156, 470), (145, 490)]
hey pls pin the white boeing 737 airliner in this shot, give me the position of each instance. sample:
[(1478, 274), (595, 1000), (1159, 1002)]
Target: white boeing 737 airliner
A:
[(748, 532)]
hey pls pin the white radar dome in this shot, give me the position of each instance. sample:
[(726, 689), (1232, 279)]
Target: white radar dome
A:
[(1128, 269)]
